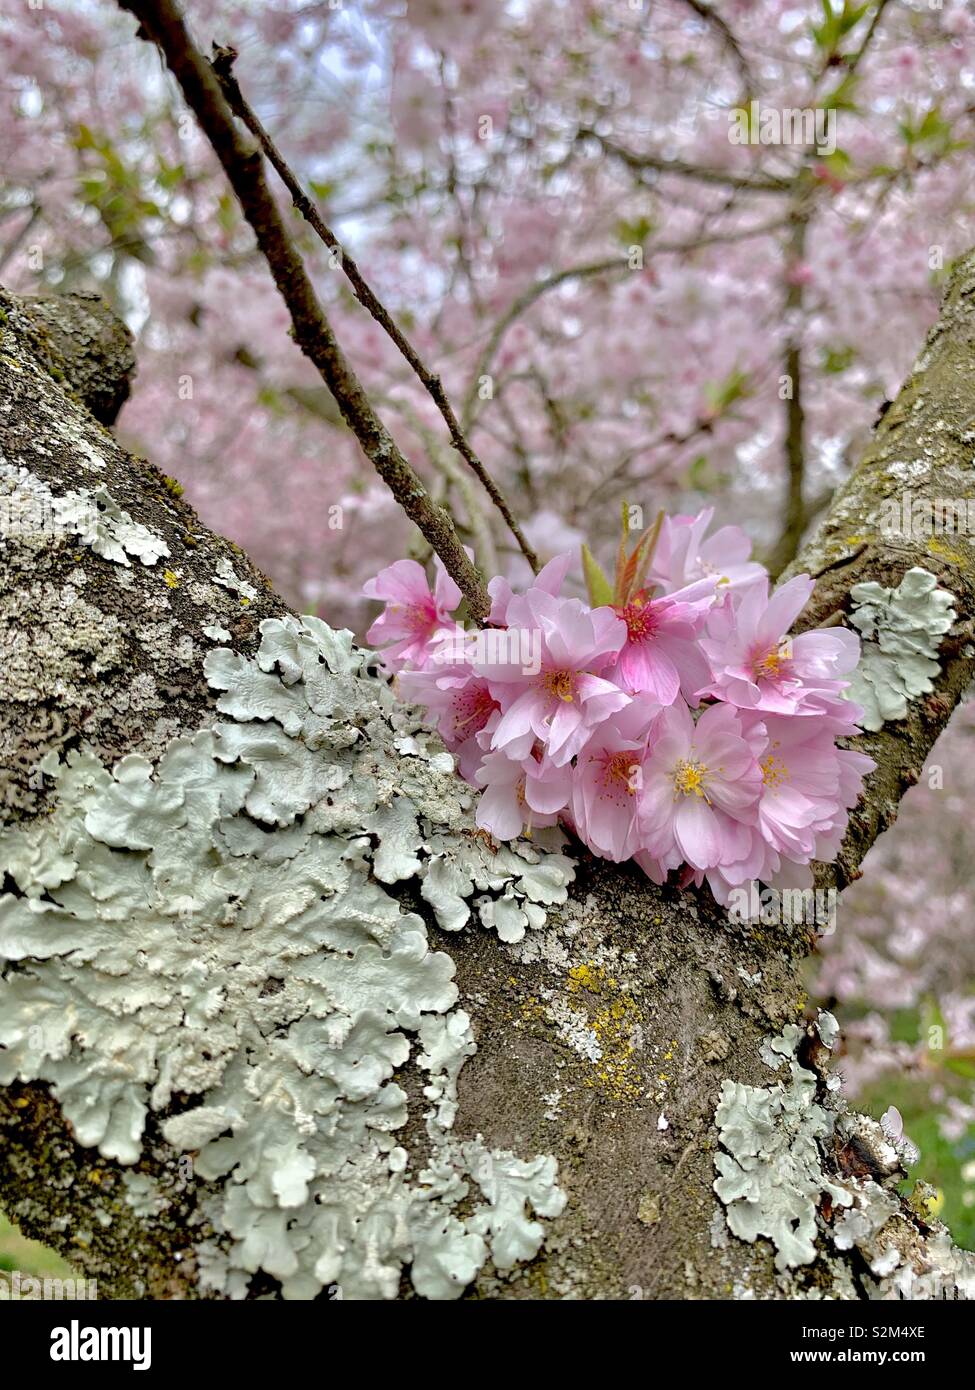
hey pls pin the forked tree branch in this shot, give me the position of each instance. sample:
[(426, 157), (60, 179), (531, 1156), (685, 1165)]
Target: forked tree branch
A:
[(223, 65), (243, 163)]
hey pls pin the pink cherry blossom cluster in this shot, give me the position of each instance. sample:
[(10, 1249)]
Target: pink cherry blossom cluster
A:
[(677, 725)]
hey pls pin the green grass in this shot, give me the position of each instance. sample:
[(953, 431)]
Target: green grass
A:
[(941, 1160), (29, 1256)]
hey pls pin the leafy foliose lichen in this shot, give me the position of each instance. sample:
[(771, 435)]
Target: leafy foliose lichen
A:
[(820, 1181), (91, 515), (212, 936), (770, 1175), (902, 630)]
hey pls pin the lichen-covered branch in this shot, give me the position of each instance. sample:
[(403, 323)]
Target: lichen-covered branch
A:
[(275, 1018), (82, 341), (898, 512)]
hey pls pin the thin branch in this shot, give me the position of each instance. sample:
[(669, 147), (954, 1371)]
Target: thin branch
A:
[(794, 517), (455, 476), (161, 21), (710, 16), (222, 64), (853, 62), (722, 178), (796, 514), (518, 306), (20, 237)]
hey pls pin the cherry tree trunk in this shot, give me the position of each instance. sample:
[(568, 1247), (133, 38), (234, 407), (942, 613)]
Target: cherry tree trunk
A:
[(275, 1017)]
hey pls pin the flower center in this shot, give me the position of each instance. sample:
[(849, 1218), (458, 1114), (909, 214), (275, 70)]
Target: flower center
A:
[(640, 618), (774, 771), (769, 666), (561, 684), (419, 617), (689, 778), (473, 707), (621, 773)]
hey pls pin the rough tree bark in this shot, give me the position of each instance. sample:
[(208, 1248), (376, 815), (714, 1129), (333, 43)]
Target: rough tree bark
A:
[(232, 1060)]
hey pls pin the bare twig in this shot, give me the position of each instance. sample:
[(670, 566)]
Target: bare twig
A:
[(161, 21), (222, 64), (794, 510), (721, 178), (710, 16)]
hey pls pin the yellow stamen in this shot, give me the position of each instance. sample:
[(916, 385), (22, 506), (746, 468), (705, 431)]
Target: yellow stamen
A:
[(770, 665), (561, 684), (774, 771), (689, 779), (621, 768)]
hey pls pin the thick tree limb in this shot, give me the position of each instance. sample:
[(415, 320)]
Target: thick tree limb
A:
[(83, 341)]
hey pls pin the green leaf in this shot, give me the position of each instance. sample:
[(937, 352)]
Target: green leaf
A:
[(722, 395), (170, 175), (702, 476), (836, 360), (931, 131), (226, 212), (634, 233), (842, 97), (599, 588), (837, 23)]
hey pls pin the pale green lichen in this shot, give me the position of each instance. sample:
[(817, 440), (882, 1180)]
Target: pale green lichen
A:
[(783, 1156), (771, 1176), (91, 515), (214, 931), (142, 1194), (902, 630), (227, 579)]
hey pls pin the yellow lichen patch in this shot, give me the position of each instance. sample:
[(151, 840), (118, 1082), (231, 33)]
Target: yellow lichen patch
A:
[(590, 977), (171, 579), (614, 1023), (532, 1010), (946, 552), (648, 1212)]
